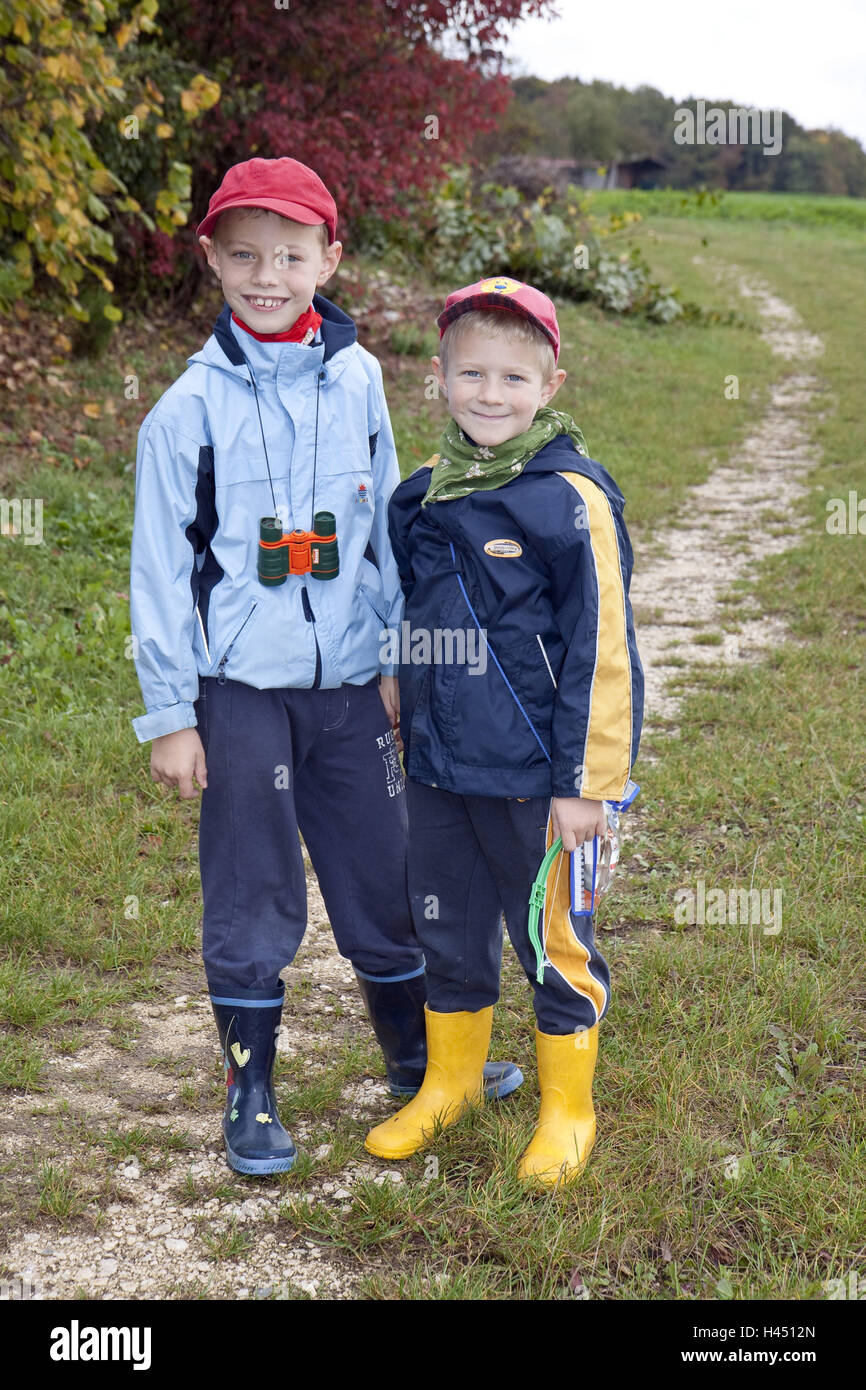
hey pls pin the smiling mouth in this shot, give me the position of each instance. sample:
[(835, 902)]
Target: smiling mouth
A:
[(264, 301)]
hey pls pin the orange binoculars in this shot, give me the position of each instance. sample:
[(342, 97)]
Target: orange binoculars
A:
[(298, 552)]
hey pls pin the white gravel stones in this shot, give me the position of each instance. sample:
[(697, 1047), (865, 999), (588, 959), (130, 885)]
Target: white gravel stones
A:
[(147, 1239), (745, 510)]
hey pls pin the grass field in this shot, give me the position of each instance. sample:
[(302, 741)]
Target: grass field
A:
[(731, 1070), (800, 209)]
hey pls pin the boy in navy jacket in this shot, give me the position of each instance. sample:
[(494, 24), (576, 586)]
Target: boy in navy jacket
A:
[(521, 697), (268, 694)]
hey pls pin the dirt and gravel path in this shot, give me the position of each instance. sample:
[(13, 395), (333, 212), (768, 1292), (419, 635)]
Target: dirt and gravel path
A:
[(746, 509), (165, 1220)]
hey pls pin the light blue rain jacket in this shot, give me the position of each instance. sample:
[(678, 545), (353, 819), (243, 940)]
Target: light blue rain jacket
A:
[(314, 413)]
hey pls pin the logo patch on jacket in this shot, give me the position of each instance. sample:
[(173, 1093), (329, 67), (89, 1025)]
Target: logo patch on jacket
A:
[(503, 549)]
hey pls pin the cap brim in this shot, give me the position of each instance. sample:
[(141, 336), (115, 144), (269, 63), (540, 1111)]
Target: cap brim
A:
[(295, 211)]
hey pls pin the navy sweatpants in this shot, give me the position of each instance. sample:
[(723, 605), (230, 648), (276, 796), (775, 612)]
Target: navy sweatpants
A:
[(323, 762), (471, 858)]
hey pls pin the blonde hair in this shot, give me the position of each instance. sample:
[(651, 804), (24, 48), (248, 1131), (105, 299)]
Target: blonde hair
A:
[(499, 323)]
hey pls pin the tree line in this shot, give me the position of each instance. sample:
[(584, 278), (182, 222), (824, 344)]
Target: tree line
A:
[(600, 122)]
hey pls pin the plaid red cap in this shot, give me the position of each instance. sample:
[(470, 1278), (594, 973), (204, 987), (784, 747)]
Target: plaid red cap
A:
[(282, 185), (504, 293)]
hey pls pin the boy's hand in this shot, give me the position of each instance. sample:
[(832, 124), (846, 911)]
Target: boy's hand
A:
[(576, 819), (175, 758), (389, 689)]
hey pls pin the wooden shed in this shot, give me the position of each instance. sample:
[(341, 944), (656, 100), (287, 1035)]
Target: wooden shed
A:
[(532, 174)]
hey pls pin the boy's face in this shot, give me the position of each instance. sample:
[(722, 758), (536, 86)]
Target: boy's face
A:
[(269, 267), (494, 386)]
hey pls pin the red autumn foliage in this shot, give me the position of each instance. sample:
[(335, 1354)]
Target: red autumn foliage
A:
[(350, 87)]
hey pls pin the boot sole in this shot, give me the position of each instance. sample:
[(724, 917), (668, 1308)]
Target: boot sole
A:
[(253, 1166), (500, 1089), (551, 1176), (406, 1152), (493, 1090)]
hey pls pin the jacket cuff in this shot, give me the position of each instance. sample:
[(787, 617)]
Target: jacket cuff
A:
[(589, 793), (169, 720), (567, 781)]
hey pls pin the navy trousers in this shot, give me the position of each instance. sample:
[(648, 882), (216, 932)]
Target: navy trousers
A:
[(323, 762), (471, 858)]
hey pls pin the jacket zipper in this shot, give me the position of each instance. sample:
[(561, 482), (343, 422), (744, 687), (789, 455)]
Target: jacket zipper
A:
[(311, 618), (308, 608), (221, 669)]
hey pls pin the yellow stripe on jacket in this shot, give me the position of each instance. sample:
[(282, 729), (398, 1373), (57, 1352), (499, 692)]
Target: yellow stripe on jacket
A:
[(563, 947), (607, 751)]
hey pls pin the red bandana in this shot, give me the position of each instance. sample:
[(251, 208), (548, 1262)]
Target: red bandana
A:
[(307, 323)]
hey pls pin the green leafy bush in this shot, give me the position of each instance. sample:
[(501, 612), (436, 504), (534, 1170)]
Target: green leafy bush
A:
[(461, 235), (75, 90)]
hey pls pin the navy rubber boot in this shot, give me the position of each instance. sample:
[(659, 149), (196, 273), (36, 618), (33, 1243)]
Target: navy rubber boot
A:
[(396, 1010), (248, 1026)]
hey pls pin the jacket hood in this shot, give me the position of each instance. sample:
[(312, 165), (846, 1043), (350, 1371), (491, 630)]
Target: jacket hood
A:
[(560, 456)]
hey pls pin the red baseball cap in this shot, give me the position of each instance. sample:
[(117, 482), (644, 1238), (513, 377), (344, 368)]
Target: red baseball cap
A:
[(282, 185), (504, 293)]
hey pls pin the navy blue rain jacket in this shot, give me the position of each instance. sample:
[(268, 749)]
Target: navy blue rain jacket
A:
[(551, 703)]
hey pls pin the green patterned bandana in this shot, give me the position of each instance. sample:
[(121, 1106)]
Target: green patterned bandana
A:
[(461, 467)]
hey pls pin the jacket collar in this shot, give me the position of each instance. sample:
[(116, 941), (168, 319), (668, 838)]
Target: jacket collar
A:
[(338, 331)]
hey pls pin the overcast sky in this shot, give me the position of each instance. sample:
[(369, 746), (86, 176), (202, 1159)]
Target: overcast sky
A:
[(808, 59)]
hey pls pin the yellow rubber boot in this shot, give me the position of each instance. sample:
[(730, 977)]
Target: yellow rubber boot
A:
[(457, 1047), (565, 1134)]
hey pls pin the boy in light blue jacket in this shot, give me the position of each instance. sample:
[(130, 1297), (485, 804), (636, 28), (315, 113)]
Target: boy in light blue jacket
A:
[(268, 692)]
